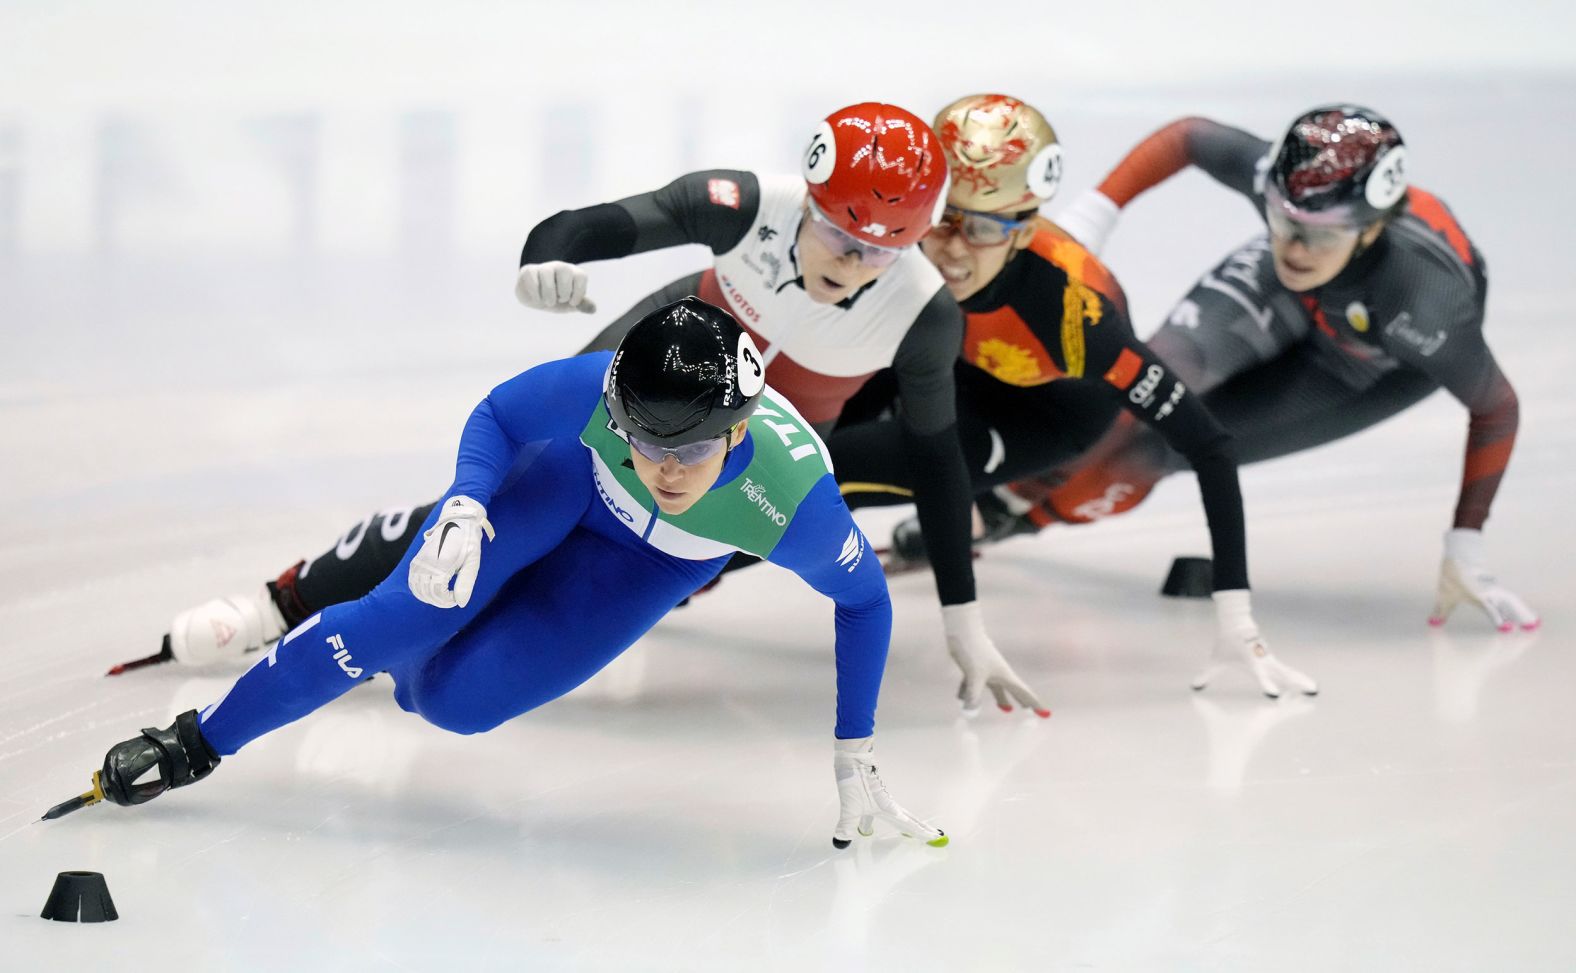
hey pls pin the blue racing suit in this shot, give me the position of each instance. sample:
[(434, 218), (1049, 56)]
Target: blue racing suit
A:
[(582, 565)]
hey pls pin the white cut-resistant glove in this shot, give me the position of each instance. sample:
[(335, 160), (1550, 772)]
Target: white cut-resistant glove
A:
[(864, 799), (1463, 577), (450, 552), (554, 286), (1089, 219), (983, 667), (1237, 642)]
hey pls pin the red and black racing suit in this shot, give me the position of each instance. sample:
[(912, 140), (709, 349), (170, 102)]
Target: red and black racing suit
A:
[(1285, 371)]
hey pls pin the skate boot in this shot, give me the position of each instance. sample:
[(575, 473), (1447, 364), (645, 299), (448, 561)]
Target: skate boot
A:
[(220, 630), (225, 629), (907, 552), (178, 752), (1001, 515), (995, 520)]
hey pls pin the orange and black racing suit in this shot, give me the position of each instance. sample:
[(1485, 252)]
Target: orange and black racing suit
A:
[(1049, 359)]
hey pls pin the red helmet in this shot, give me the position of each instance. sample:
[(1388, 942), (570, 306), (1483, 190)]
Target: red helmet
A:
[(875, 171)]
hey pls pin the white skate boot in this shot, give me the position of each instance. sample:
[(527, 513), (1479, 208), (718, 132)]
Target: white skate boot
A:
[(225, 629)]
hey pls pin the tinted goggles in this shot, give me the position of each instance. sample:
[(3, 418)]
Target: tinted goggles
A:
[(978, 229), (1330, 233), (689, 454), (840, 242)]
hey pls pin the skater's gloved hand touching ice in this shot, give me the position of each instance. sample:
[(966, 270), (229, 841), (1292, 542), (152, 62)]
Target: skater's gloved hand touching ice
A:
[(1464, 577), (864, 799), (972, 648), (451, 552), (553, 286), (1238, 643)]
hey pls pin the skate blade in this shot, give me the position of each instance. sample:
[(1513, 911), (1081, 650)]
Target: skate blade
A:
[(79, 802), (163, 655)]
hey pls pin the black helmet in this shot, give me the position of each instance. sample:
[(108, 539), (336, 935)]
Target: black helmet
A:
[(684, 373), (1337, 163)]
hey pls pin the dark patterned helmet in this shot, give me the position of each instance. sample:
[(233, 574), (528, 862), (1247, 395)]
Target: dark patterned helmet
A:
[(684, 373), (1337, 164)]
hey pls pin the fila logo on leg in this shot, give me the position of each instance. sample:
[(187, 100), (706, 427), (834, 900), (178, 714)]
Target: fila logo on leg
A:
[(342, 656)]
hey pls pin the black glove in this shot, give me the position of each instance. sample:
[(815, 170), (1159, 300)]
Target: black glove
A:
[(179, 751)]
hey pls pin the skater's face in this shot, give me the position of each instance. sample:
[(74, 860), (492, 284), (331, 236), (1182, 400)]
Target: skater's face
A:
[(674, 486), (1307, 257), (971, 248), (834, 264)]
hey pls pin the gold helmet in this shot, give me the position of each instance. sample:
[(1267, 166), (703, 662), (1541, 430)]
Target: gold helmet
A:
[(1002, 152)]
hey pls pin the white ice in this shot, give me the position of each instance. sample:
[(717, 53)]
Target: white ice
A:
[(236, 314)]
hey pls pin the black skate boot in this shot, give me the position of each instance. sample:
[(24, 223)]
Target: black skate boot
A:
[(999, 522), (179, 752)]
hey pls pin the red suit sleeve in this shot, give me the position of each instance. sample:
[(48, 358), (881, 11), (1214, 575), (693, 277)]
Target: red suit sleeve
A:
[(1491, 435), (1228, 155)]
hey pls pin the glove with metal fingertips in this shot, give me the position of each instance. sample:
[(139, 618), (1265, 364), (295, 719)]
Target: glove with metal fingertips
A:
[(1238, 643), (1464, 577), (863, 798), (983, 665)]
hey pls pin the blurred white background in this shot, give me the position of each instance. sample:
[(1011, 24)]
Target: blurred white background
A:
[(196, 194), (235, 233)]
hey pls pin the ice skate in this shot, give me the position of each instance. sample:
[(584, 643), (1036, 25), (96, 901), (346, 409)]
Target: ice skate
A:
[(219, 630), (178, 752)]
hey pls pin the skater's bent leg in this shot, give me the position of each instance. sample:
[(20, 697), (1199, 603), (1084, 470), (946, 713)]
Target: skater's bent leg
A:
[(554, 625), (1294, 404), (333, 650)]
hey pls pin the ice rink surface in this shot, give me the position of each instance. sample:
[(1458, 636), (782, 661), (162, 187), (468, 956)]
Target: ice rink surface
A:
[(182, 415)]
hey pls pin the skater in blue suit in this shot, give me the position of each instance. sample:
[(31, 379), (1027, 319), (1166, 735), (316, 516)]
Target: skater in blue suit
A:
[(591, 495)]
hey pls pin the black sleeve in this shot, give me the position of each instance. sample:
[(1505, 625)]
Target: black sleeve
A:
[(1436, 326), (923, 365), (942, 496), (714, 208), (1229, 155), (1153, 393)]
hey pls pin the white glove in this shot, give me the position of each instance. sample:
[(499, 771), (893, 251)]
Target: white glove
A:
[(1462, 577), (1237, 642), (554, 286), (864, 798), (1089, 219), (450, 551), (982, 663)]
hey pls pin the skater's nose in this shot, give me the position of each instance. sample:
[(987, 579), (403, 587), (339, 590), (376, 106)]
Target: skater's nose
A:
[(671, 469)]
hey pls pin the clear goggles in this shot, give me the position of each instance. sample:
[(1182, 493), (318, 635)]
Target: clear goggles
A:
[(689, 454), (1334, 232), (841, 242), (979, 229)]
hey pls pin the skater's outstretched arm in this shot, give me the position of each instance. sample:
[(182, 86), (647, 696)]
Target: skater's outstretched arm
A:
[(714, 208)]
